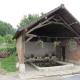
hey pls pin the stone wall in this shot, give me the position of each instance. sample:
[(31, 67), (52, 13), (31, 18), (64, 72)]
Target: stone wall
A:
[(33, 48)]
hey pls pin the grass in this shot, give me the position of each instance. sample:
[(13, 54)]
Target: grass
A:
[(9, 63)]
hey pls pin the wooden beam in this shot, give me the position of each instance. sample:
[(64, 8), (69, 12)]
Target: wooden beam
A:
[(23, 48), (30, 35), (76, 37), (28, 39), (25, 29), (69, 26), (20, 47), (57, 20), (40, 24), (73, 23), (51, 22), (78, 41)]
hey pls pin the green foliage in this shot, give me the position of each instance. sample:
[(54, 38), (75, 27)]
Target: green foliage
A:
[(16, 54), (6, 34), (9, 63), (71, 43), (28, 18), (42, 13), (8, 50), (56, 43), (9, 47), (6, 28), (2, 39), (40, 42), (12, 50), (8, 38)]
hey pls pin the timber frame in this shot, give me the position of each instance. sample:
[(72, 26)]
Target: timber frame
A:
[(56, 23)]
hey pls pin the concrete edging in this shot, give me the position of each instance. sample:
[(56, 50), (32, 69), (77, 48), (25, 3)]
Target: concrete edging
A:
[(55, 68)]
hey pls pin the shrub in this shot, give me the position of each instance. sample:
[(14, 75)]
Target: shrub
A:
[(11, 50), (0, 55), (8, 38), (2, 39), (16, 54), (5, 52)]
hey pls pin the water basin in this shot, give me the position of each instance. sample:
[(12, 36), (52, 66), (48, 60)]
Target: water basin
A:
[(51, 65)]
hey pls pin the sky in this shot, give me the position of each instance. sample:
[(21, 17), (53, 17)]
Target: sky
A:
[(12, 11)]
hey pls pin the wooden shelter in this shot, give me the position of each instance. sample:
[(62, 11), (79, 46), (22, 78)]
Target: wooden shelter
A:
[(58, 23)]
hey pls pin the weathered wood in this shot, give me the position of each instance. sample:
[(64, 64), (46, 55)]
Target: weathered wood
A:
[(73, 23), (30, 35), (23, 48), (51, 22), (20, 47), (40, 24), (34, 28), (28, 39), (25, 29), (69, 26), (78, 40), (17, 47), (57, 20)]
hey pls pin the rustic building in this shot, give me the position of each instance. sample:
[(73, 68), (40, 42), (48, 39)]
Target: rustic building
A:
[(56, 25)]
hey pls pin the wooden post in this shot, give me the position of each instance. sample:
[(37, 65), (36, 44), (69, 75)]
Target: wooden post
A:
[(20, 45)]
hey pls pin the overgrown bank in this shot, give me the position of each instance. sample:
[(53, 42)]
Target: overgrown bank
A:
[(8, 62)]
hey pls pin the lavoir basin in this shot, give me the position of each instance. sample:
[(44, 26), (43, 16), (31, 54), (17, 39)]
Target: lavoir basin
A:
[(51, 65)]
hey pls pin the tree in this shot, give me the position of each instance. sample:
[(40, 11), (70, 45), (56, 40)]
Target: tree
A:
[(8, 38), (2, 39), (27, 19), (6, 28), (42, 13)]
